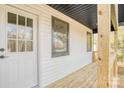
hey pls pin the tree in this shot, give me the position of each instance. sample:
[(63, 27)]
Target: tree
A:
[(120, 55)]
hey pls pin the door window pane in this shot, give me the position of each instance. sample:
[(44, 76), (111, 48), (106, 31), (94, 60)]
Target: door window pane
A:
[(29, 33), (11, 45), (21, 32), (29, 46), (12, 18), (21, 20), (29, 22), (21, 46), (11, 31)]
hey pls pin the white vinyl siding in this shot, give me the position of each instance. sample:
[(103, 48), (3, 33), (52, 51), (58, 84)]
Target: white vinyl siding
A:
[(52, 69)]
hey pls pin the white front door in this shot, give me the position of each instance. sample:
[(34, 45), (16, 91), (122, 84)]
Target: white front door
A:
[(18, 48)]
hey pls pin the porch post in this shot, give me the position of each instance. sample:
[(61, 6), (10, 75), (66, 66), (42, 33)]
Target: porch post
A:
[(104, 27)]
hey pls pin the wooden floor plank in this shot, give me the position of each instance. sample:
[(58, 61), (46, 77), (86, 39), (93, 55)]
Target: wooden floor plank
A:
[(83, 78)]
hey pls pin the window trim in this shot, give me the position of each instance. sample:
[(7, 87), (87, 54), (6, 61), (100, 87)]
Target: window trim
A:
[(59, 54)]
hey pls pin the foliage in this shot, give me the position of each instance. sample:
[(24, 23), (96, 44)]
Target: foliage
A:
[(120, 45)]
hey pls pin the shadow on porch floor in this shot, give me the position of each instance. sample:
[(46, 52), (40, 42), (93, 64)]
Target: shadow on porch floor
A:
[(83, 78)]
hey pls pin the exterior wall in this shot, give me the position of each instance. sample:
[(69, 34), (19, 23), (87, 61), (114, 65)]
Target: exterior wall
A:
[(52, 69)]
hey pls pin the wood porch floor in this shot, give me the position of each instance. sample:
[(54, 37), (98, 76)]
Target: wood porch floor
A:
[(83, 78), (121, 76)]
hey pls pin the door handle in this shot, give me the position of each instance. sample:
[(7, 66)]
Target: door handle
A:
[(2, 57), (2, 49)]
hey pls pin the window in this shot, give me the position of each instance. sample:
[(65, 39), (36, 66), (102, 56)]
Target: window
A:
[(89, 42), (60, 37), (19, 33)]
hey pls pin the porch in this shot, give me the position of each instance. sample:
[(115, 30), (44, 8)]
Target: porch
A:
[(85, 77), (75, 63), (102, 72)]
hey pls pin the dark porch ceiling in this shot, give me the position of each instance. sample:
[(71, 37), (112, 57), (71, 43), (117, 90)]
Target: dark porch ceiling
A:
[(86, 14), (121, 14)]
